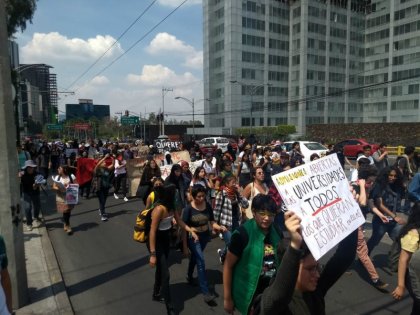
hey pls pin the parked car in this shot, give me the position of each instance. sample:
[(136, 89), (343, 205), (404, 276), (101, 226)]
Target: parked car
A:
[(352, 148), (307, 148), (218, 142)]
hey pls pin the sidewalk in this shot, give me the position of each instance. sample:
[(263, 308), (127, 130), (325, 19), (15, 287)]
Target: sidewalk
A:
[(46, 289)]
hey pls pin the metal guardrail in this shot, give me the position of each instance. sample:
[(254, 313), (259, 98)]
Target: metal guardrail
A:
[(399, 150)]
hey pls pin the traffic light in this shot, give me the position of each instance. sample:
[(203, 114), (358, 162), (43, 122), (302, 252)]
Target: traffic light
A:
[(126, 113)]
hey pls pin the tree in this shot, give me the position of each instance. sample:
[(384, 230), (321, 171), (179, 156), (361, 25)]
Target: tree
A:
[(18, 12)]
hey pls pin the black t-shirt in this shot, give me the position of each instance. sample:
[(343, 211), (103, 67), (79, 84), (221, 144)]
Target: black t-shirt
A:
[(27, 183), (391, 196), (237, 245), (198, 219)]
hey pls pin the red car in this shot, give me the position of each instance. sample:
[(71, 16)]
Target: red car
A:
[(354, 147)]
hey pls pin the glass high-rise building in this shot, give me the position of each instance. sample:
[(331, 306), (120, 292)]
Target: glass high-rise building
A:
[(270, 62)]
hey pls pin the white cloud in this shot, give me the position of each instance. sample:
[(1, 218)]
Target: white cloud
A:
[(100, 80), (158, 75), (164, 43), (56, 47), (175, 3)]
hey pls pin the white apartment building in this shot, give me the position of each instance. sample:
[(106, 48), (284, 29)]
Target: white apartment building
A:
[(304, 62)]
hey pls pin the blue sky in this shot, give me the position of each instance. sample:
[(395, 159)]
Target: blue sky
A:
[(71, 35)]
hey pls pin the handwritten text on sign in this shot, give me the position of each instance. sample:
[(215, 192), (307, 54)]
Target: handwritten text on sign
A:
[(319, 193)]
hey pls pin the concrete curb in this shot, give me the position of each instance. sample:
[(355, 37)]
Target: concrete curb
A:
[(47, 291)]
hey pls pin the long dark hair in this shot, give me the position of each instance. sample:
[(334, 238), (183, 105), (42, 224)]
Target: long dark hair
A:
[(197, 172), (172, 178), (382, 179), (413, 221), (165, 195), (151, 172)]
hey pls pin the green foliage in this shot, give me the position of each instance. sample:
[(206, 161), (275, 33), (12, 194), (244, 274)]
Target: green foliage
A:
[(18, 13)]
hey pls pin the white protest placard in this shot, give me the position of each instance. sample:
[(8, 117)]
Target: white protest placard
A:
[(318, 192)]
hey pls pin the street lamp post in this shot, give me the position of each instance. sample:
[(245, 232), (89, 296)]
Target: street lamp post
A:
[(164, 91), (251, 92), (191, 102)]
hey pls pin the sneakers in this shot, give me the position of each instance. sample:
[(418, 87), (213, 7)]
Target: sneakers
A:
[(125, 199), (29, 227), (116, 196), (36, 223), (222, 255), (380, 285), (104, 217), (208, 297), (69, 230), (221, 236)]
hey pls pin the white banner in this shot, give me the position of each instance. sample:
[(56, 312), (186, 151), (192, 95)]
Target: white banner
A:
[(318, 192)]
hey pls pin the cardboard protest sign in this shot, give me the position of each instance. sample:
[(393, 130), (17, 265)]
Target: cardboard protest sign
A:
[(72, 194), (319, 193), (134, 172)]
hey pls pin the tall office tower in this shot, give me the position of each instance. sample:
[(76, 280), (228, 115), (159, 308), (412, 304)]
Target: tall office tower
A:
[(306, 62), (43, 91)]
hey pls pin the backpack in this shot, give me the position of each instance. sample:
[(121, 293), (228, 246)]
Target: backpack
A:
[(394, 254), (143, 223)]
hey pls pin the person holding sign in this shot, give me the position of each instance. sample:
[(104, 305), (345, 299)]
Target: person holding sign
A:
[(300, 286), (251, 260), (60, 184)]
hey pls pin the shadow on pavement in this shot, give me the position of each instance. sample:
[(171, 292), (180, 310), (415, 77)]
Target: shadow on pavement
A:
[(102, 278)]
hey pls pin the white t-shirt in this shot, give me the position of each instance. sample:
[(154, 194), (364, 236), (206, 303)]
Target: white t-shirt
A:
[(120, 170)]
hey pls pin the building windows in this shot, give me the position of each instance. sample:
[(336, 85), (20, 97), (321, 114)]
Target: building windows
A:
[(278, 44), (277, 91), (316, 28), (248, 74), (250, 40), (279, 28), (296, 60), (296, 28), (413, 89), (252, 57), (278, 60), (296, 12), (253, 24), (219, 14), (246, 121), (252, 6), (278, 76)]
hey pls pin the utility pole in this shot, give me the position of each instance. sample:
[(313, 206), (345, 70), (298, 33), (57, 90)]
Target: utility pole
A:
[(164, 90), (10, 226)]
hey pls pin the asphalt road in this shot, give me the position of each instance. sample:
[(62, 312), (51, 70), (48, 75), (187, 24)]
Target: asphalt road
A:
[(106, 272)]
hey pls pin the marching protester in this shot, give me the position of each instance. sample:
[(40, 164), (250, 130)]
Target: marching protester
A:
[(408, 271), (256, 187), (366, 176), (5, 281), (60, 185), (176, 178), (156, 182), (197, 216), (244, 170), (227, 211), (101, 182), (120, 179), (151, 170), (386, 196), (30, 194), (159, 243), (251, 260), (299, 286), (43, 160)]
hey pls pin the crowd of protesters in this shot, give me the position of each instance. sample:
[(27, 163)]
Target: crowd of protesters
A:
[(231, 195)]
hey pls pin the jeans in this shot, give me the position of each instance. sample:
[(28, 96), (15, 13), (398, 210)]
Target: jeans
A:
[(31, 200), (228, 234), (120, 182), (197, 258), (102, 196), (379, 229)]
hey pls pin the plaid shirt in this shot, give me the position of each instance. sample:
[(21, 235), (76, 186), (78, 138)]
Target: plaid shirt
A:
[(223, 209)]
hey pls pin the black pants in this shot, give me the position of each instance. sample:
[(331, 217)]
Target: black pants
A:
[(162, 266), (120, 181), (102, 196)]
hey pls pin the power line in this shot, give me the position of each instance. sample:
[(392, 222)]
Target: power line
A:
[(113, 44), (139, 40)]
